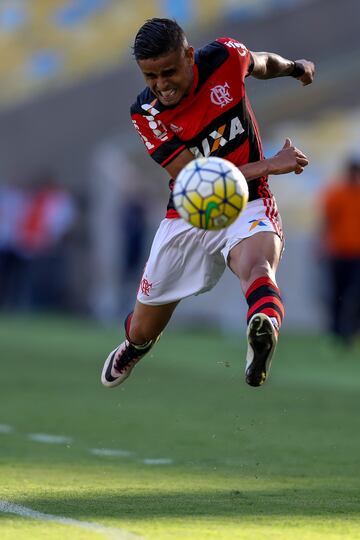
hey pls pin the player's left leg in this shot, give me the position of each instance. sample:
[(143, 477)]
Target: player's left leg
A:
[(255, 260), (143, 328), (180, 265)]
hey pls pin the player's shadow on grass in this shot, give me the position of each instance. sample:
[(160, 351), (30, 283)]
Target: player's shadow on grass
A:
[(232, 503)]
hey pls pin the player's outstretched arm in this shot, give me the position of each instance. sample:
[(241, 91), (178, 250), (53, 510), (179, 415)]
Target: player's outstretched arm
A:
[(267, 65), (288, 159)]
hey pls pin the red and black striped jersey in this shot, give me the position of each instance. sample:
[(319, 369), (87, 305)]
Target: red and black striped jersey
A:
[(215, 118)]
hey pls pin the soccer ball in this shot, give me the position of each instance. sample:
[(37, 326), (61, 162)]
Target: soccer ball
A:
[(210, 193)]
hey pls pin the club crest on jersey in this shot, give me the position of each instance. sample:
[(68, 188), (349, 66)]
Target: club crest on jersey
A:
[(220, 95)]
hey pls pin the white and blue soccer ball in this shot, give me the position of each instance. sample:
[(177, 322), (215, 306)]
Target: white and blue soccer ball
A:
[(210, 193)]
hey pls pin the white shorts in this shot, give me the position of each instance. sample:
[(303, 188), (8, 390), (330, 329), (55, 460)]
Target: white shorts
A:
[(186, 261)]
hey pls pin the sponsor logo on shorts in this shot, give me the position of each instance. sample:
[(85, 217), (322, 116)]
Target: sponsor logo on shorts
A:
[(145, 287), (256, 223)]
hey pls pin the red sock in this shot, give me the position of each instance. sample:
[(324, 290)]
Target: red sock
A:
[(127, 324), (263, 296)]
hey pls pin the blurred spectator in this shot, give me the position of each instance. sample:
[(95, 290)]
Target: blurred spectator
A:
[(340, 205), (34, 227), (118, 218), (133, 227), (12, 263)]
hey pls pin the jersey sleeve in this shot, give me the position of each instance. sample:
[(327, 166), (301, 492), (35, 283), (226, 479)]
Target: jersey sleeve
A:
[(240, 55), (161, 143)]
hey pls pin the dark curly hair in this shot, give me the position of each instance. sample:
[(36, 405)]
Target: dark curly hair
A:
[(157, 37)]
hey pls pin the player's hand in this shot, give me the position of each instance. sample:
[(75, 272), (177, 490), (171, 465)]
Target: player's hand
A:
[(288, 159), (309, 72)]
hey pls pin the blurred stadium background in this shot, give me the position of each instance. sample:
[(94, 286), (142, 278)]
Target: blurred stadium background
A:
[(67, 81), (185, 449)]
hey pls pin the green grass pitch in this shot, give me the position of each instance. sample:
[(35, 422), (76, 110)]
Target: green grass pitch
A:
[(196, 453)]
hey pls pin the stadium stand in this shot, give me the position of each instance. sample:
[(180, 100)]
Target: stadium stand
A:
[(53, 43), (71, 102)]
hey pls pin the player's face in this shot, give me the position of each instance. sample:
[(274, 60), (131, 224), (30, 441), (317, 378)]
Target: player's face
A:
[(169, 77)]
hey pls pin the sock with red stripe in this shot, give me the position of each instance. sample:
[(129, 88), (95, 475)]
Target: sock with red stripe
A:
[(263, 296), (127, 324)]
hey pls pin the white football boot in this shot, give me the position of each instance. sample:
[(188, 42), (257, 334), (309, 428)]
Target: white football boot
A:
[(121, 361), (262, 340)]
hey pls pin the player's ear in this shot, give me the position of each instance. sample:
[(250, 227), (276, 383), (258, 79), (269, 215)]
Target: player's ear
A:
[(190, 54)]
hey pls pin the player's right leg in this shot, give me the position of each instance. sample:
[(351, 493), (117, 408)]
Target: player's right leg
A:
[(143, 328), (255, 260)]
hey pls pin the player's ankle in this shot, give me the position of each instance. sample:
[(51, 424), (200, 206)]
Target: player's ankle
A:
[(132, 334), (141, 346)]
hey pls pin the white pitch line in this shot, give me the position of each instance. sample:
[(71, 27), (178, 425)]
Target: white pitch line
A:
[(160, 461), (109, 532), (108, 452), (4, 428), (49, 439)]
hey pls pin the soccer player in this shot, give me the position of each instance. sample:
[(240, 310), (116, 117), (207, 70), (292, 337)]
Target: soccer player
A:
[(195, 105)]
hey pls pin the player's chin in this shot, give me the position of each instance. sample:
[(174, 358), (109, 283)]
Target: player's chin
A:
[(171, 101)]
